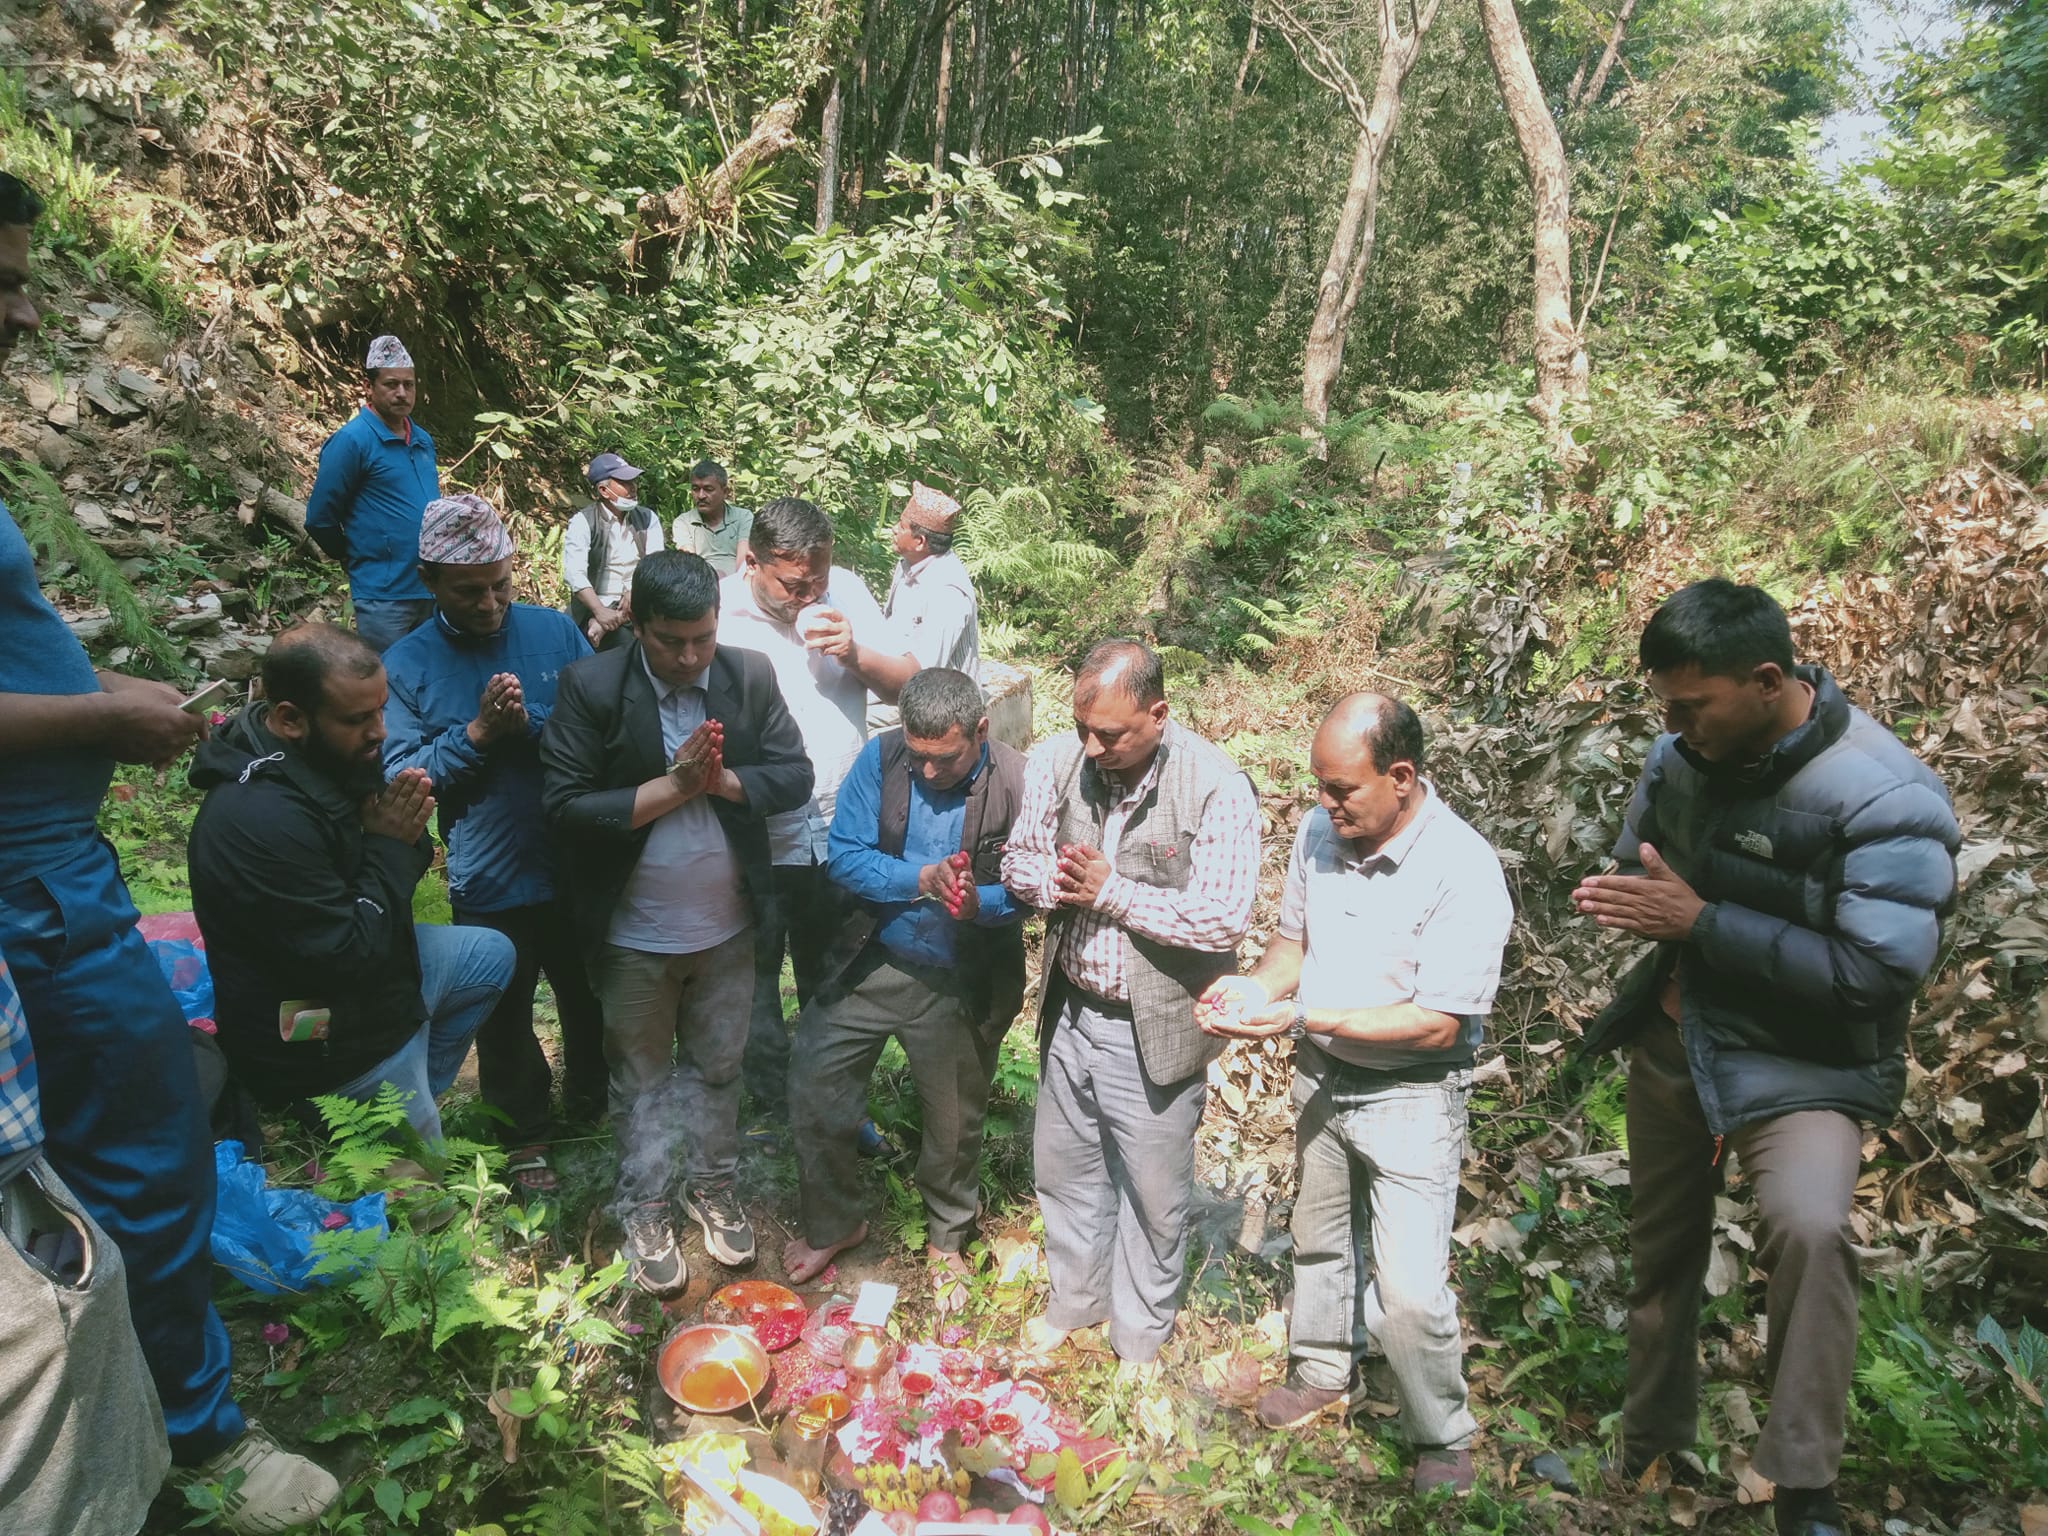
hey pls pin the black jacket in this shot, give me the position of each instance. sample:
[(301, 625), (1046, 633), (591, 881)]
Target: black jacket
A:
[(297, 902), (604, 741), (1825, 868)]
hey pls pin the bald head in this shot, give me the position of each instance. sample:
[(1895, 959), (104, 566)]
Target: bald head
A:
[(1367, 760), (1127, 667)]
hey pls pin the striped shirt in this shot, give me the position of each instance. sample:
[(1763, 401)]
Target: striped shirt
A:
[(1210, 913)]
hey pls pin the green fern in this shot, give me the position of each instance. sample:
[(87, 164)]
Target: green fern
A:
[(46, 522)]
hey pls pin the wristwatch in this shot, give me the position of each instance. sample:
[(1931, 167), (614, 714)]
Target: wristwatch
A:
[(1299, 1028)]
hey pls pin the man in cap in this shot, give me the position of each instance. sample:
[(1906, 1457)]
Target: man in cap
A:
[(303, 862), (470, 692), (604, 542), (931, 597), (119, 1095), (713, 527), (377, 474)]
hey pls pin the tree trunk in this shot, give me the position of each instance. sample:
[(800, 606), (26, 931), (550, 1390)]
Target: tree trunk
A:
[(1251, 46), (943, 99), (896, 110), (828, 158), (1560, 351), (977, 93), (1583, 101), (1343, 276)]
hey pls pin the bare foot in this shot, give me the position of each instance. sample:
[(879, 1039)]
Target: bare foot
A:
[(950, 1274), (802, 1263)]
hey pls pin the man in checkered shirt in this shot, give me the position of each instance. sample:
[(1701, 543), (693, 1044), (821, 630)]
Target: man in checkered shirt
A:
[(1140, 841)]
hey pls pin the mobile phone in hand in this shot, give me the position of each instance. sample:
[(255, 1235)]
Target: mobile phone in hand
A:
[(205, 698)]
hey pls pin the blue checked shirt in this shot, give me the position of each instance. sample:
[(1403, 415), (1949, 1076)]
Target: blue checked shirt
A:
[(21, 1115)]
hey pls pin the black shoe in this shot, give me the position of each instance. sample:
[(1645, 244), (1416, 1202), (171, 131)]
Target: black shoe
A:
[(1809, 1512), (1684, 1469), (727, 1232), (657, 1263)]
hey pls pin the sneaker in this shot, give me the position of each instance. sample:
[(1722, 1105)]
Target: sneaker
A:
[(1808, 1512), (1441, 1468), (658, 1266), (1294, 1403), (273, 1489), (727, 1232)]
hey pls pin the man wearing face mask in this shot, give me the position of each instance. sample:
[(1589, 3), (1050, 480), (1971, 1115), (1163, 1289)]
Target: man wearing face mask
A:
[(1392, 923), (377, 474), (602, 545), (470, 692), (303, 862), (1140, 841), (825, 636)]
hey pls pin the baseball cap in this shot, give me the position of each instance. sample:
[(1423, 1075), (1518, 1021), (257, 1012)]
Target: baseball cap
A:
[(611, 466)]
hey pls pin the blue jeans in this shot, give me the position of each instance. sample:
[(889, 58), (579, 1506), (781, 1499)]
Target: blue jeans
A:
[(463, 972), (124, 1125), (384, 621)]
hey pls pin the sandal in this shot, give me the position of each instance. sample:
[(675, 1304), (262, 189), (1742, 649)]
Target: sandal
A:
[(528, 1169)]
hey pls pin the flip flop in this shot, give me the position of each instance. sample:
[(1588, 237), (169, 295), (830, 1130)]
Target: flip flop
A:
[(528, 1169)]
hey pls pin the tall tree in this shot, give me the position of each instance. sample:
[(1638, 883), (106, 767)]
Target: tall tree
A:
[(1351, 246), (1560, 350)]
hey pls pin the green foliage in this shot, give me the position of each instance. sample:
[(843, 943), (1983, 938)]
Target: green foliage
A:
[(44, 514)]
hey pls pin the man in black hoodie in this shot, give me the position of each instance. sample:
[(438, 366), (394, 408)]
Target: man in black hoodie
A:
[(303, 864)]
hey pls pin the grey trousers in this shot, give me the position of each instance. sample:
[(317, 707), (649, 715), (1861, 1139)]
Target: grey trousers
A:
[(839, 1038), (1803, 1168), (1116, 1178), (1372, 1245), (675, 1028)]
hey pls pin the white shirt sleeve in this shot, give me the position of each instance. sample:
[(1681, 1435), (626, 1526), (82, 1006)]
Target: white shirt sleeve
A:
[(1458, 953), (850, 595), (576, 553), (1294, 892)]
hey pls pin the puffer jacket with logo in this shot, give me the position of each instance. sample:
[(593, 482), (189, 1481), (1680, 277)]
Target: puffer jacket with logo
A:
[(1826, 867)]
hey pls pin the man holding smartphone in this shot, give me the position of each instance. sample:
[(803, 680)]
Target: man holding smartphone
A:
[(120, 1094)]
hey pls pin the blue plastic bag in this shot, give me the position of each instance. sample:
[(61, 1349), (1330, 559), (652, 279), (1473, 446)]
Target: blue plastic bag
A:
[(264, 1237)]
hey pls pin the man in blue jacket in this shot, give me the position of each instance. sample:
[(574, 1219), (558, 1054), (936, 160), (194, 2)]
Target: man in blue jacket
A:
[(119, 1093), (376, 476), (1792, 861), (470, 691)]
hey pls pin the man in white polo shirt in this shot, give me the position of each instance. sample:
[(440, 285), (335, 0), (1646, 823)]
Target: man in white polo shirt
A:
[(825, 636), (1392, 923)]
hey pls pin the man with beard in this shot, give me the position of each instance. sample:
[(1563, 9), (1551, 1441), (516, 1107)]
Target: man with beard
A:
[(470, 692), (119, 1093), (303, 863), (377, 474)]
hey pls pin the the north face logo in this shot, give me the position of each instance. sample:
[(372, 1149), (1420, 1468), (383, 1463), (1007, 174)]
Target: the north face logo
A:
[(1755, 843)]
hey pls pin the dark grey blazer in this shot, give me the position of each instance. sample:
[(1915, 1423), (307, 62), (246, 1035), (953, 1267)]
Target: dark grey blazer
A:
[(603, 742)]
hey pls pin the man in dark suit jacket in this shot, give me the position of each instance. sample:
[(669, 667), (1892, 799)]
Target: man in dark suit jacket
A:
[(659, 765)]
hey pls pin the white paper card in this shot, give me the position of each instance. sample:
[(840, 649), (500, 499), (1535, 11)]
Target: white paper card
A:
[(871, 1308)]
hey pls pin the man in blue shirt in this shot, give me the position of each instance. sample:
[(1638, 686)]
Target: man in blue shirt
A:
[(121, 1115), (933, 954), (376, 476), (470, 691)]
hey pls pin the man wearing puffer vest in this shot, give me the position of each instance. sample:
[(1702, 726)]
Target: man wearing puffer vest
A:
[(1793, 861)]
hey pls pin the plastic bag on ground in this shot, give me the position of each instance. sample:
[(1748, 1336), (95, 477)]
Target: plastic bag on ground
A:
[(264, 1237)]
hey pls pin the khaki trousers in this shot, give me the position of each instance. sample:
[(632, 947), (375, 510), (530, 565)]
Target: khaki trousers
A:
[(1803, 1168)]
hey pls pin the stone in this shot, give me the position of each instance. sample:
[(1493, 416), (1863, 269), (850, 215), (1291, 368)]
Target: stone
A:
[(91, 516), (92, 328), (104, 311), (89, 626), (54, 451), (234, 654), (138, 384), (63, 415), (97, 388), (39, 393)]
